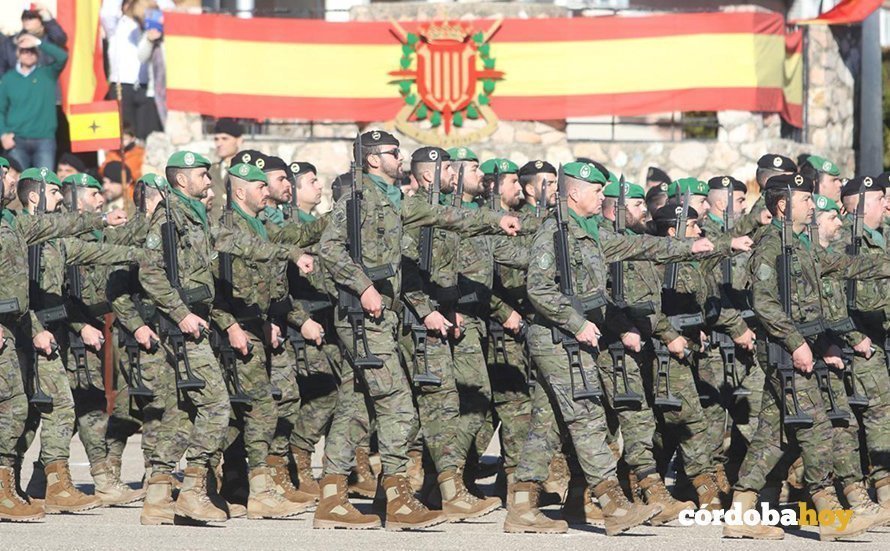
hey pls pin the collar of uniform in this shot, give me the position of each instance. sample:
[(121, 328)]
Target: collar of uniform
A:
[(876, 237), (589, 225), (196, 207), (716, 219), (471, 205), (255, 223), (9, 216), (304, 217), (392, 193), (273, 215), (802, 236)]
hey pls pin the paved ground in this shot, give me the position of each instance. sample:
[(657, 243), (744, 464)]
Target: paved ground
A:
[(119, 528)]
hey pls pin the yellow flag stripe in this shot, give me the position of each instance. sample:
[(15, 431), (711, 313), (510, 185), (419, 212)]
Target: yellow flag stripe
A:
[(83, 80), (94, 126)]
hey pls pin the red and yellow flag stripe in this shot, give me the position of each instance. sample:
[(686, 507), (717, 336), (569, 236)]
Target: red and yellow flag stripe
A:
[(553, 68), (94, 126), (83, 79)]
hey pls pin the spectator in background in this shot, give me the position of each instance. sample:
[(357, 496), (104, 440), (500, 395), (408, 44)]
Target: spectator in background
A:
[(28, 103), (151, 53), (37, 21), (114, 174), (227, 139), (69, 164), (122, 21), (134, 154)]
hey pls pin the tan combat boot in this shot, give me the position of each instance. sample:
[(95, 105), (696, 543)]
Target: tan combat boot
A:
[(460, 504), (708, 492), (307, 482), (558, 477), (579, 507), (335, 511), (283, 484), (403, 511), (621, 515), (376, 463), (723, 485), (158, 507), (12, 506), (511, 484), (109, 487), (61, 495), (747, 501), (265, 502), (365, 479), (655, 492), (193, 501), (415, 469), (863, 506), (523, 515), (826, 500), (882, 489)]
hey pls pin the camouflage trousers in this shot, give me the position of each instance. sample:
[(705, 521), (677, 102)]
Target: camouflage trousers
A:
[(745, 410), (714, 395), (350, 424), (89, 400), (126, 414), (873, 381), (543, 440), (512, 397), (56, 422), (768, 446), (389, 401), (584, 420), (473, 388), (202, 414), (308, 395), (13, 401)]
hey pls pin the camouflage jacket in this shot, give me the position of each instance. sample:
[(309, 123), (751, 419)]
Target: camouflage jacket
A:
[(834, 299), (807, 271), (382, 227), (713, 227), (871, 296), (509, 291)]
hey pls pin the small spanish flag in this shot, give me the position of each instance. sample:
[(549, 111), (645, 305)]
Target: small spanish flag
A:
[(94, 126)]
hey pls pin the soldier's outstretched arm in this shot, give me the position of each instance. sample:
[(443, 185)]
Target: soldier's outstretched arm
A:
[(510, 252), (119, 295), (83, 252), (244, 245), (861, 267), (543, 291), (417, 212), (334, 251), (645, 247), (301, 235), (37, 229)]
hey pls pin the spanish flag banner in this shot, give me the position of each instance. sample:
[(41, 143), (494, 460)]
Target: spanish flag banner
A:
[(449, 72), (83, 79), (94, 126)]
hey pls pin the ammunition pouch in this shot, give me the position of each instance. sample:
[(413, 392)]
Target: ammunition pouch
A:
[(380, 273), (49, 316), (9, 306), (197, 294)]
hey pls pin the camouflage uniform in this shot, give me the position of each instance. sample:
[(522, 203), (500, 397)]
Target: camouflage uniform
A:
[(383, 220)]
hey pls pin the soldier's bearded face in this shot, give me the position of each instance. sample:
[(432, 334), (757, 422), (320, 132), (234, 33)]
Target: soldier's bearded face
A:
[(256, 195), (635, 215), (511, 191), (874, 209), (198, 183), (738, 205), (699, 203), (830, 225), (279, 186), (53, 198)]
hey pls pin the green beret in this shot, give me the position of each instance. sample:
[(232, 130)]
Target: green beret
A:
[(42, 173), (505, 166), (153, 180), (824, 165), (462, 154), (631, 190), (4, 163), (585, 172), (187, 159), (82, 179), (248, 172), (695, 186), (826, 204)]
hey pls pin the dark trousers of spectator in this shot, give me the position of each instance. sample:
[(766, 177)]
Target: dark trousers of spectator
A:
[(34, 152), (138, 109)]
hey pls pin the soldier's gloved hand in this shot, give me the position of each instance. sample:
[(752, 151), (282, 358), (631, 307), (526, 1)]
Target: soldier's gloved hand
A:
[(436, 322), (372, 303), (589, 335), (802, 358), (510, 224), (312, 331), (237, 339), (92, 337), (746, 340), (306, 264), (273, 335), (864, 348), (632, 341), (703, 245), (43, 342), (116, 217), (832, 357), (742, 244), (191, 325), (677, 347), (144, 336), (513, 323)]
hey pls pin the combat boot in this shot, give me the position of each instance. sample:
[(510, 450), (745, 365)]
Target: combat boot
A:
[(265, 502), (882, 489), (708, 492), (109, 487), (37, 484), (415, 469), (558, 477), (403, 511), (12, 506), (115, 464), (158, 507), (523, 515), (723, 485), (458, 503), (376, 463), (748, 501), (193, 501), (620, 514), (510, 477), (283, 484), (365, 480), (335, 511), (306, 480), (61, 495), (826, 500), (863, 506), (579, 507), (655, 493)]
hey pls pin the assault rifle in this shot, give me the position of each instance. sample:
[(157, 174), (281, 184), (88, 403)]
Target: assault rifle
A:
[(35, 260)]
